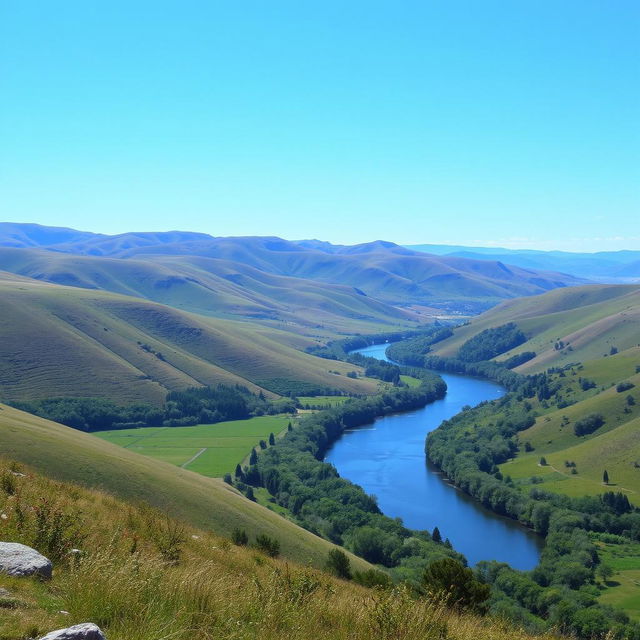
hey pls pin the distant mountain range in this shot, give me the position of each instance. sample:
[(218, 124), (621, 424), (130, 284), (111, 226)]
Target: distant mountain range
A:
[(603, 266), (258, 276)]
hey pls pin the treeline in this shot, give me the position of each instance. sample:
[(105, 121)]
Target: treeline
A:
[(191, 406), (338, 349), (293, 473), (412, 351), (491, 343), (560, 591)]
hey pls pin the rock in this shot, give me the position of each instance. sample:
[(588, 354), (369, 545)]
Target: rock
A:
[(86, 631), (19, 560)]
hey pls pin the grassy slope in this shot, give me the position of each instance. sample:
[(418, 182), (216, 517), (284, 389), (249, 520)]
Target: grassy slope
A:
[(589, 320), (215, 287), (122, 582), (68, 341), (68, 455)]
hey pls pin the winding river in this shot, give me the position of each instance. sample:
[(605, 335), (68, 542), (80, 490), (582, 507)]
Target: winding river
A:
[(387, 459)]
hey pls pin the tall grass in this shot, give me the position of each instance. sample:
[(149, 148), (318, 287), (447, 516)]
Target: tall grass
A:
[(142, 576)]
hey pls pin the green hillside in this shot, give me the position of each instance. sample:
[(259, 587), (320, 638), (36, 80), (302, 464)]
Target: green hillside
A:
[(588, 340), (563, 326), (67, 341), (65, 454), (216, 287)]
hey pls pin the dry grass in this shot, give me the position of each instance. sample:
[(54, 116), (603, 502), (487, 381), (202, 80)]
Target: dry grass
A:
[(142, 576)]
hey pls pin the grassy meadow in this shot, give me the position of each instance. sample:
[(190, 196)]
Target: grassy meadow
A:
[(209, 449)]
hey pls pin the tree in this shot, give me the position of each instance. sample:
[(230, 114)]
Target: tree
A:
[(249, 494), (289, 427), (543, 462), (263, 444), (605, 572), (449, 579), (272, 439), (268, 545), (238, 472), (436, 536), (605, 477), (227, 478), (253, 458), (338, 563)]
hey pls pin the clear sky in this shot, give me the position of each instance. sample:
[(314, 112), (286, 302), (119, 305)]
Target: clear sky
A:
[(512, 123)]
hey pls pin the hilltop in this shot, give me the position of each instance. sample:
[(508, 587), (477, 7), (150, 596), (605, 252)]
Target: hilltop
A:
[(390, 274)]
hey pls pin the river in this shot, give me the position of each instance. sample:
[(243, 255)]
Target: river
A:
[(387, 459)]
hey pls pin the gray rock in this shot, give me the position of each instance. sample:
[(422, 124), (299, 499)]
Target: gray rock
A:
[(86, 631), (19, 560)]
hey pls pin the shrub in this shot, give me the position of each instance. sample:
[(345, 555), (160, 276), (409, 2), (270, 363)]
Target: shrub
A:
[(624, 386), (449, 579), (268, 545), (338, 563), (239, 537)]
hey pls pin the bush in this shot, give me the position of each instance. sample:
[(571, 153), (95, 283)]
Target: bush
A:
[(449, 579), (338, 564), (239, 537), (624, 386), (268, 545)]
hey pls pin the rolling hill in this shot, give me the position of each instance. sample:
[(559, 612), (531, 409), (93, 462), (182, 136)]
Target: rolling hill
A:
[(601, 266), (68, 341), (390, 274), (217, 287), (563, 326)]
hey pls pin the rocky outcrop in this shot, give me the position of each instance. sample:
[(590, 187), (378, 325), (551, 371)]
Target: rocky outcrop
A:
[(86, 631), (19, 560)]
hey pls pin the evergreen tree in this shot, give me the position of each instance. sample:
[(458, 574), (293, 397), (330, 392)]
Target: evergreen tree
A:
[(263, 444), (338, 563), (238, 472), (289, 427), (272, 439), (253, 458), (249, 494), (436, 536), (605, 477)]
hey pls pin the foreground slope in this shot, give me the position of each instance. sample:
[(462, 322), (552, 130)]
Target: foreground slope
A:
[(67, 341), (141, 576), (72, 456)]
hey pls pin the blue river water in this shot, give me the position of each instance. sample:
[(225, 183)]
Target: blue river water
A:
[(387, 459)]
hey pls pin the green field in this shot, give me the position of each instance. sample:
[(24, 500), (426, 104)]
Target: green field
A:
[(623, 588), (410, 381), (209, 449)]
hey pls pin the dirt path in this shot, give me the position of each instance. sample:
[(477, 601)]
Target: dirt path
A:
[(572, 477), (194, 457)]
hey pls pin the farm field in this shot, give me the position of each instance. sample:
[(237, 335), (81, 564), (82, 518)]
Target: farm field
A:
[(209, 449)]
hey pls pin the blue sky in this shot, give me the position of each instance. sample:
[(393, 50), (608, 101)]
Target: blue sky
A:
[(472, 122)]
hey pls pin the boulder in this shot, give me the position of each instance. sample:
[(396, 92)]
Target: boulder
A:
[(19, 560), (86, 631)]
